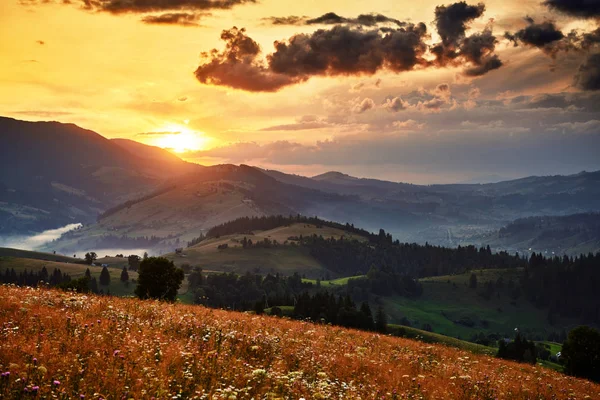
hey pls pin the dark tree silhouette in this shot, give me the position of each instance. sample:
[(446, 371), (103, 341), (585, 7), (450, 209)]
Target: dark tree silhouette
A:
[(158, 279), (581, 353), (124, 275), (134, 262), (105, 277), (90, 257)]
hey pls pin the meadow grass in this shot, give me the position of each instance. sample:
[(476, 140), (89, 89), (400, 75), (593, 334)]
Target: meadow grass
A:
[(61, 345)]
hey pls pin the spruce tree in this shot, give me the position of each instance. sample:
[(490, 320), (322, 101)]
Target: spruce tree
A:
[(105, 277), (124, 275)]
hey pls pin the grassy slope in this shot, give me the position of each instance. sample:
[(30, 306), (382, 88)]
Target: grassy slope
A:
[(162, 350), (8, 252), (448, 298), (431, 337), (283, 259)]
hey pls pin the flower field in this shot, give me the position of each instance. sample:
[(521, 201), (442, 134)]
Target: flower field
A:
[(58, 345)]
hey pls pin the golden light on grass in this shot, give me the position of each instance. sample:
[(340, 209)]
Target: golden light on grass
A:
[(60, 345)]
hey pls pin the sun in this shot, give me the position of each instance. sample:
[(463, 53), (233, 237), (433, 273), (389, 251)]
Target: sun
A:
[(181, 139)]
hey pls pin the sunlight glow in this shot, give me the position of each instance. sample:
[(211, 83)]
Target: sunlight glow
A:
[(181, 139)]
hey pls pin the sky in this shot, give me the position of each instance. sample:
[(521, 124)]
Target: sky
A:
[(422, 92)]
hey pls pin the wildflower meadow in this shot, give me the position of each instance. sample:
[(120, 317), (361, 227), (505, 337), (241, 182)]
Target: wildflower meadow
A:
[(58, 345)]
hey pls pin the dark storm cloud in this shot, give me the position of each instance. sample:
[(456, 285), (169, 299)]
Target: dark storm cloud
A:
[(345, 51), (332, 18), (577, 8), (545, 36), (451, 21), (237, 66), (326, 52), (478, 49), (456, 48), (588, 75), (185, 19)]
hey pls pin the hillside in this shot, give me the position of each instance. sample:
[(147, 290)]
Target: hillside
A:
[(166, 351), (285, 259), (53, 174), (571, 235)]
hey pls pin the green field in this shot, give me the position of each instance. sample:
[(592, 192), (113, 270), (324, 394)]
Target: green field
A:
[(7, 252), (454, 309), (430, 337), (333, 282)]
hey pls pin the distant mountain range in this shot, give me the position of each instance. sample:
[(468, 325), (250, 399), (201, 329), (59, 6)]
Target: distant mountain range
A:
[(53, 174), (550, 235)]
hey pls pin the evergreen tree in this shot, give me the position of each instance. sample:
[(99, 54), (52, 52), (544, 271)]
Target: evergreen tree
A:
[(93, 285), (473, 281), (381, 321), (105, 277), (124, 275)]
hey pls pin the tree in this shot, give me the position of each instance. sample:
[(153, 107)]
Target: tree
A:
[(158, 279), (88, 274), (105, 277), (90, 257), (581, 353), (381, 321), (473, 281), (124, 275), (134, 262), (93, 285)]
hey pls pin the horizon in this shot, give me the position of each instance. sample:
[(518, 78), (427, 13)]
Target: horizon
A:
[(439, 93)]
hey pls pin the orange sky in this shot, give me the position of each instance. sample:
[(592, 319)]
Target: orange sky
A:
[(122, 78)]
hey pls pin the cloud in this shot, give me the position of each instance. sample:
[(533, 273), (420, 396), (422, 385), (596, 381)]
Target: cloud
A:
[(588, 127), (306, 122), (408, 125), (588, 75), (576, 8), (456, 48), (544, 36), (451, 21), (148, 6), (160, 12), (326, 52), (332, 18), (43, 113), (289, 20), (238, 66), (184, 19), (365, 105), (396, 104)]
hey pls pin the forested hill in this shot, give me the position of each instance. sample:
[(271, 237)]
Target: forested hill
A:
[(571, 234), (249, 224)]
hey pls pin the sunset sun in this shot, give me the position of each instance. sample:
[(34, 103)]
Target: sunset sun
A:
[(181, 139)]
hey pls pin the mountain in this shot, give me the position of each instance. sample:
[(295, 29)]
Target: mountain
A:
[(52, 174), (214, 195), (571, 235)]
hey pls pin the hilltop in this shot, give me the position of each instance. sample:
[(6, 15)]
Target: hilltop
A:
[(165, 351)]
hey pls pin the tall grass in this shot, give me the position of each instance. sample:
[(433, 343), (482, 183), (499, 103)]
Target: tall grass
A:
[(61, 345)]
